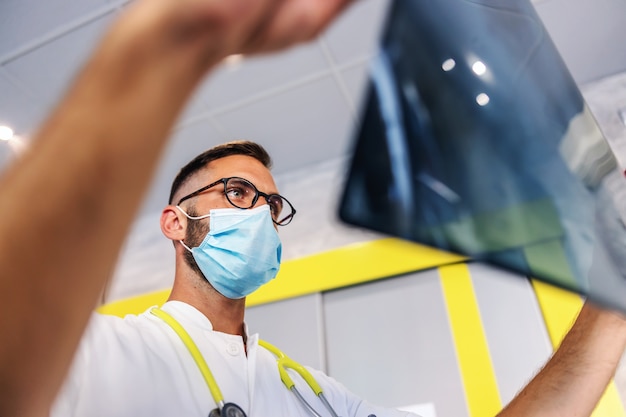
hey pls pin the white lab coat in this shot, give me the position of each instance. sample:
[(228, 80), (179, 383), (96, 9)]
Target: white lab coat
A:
[(138, 366)]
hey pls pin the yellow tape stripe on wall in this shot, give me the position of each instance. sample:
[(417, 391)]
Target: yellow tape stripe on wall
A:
[(477, 373), (560, 308), (349, 265)]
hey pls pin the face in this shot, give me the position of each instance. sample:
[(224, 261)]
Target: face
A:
[(231, 166)]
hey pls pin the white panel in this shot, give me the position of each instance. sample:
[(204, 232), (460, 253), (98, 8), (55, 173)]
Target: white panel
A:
[(230, 84), (18, 110), (196, 107), (356, 79), (23, 21), (390, 343), (589, 34), (354, 35), (301, 126), (146, 263), (47, 71), (294, 326), (518, 342)]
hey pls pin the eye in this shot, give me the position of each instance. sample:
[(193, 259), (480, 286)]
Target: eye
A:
[(240, 192), (236, 193)]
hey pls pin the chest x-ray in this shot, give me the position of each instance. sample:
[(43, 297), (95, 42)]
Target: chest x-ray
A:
[(474, 138)]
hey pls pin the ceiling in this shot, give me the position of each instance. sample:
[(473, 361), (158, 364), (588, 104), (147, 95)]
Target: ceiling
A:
[(300, 104)]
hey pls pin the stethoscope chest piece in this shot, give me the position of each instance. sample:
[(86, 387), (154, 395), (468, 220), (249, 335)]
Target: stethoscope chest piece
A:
[(228, 410)]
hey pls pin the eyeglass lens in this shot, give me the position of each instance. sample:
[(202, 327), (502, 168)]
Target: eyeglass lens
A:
[(243, 194)]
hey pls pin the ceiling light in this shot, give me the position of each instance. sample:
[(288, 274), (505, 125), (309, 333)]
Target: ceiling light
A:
[(6, 133), (233, 60), (448, 64), (479, 68), (482, 99)]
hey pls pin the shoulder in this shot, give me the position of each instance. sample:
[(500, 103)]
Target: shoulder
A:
[(114, 356), (119, 330), (122, 343), (138, 366)]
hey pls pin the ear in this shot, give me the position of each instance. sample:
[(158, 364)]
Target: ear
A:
[(173, 223)]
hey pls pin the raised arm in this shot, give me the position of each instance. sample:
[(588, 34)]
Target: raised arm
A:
[(573, 380), (66, 206)]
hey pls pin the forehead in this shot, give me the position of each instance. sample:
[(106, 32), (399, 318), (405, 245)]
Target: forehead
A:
[(232, 166)]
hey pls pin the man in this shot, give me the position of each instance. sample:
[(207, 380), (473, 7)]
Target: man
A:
[(67, 206), (223, 214)]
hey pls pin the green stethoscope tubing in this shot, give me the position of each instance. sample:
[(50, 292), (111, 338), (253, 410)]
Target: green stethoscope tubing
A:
[(284, 362)]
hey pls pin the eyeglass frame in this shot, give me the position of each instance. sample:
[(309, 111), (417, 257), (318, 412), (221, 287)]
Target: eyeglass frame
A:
[(258, 193)]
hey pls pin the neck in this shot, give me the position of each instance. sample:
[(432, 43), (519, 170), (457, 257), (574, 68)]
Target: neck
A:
[(225, 315)]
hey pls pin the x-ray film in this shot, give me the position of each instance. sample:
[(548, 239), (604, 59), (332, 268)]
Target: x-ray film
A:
[(475, 139)]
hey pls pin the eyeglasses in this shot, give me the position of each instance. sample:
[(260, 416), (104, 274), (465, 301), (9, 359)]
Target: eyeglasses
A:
[(242, 194)]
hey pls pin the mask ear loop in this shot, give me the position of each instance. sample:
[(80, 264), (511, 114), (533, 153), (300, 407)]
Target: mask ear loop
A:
[(193, 217), (190, 218), (185, 246)]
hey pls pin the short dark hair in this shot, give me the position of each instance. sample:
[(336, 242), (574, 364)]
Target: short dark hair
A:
[(238, 147)]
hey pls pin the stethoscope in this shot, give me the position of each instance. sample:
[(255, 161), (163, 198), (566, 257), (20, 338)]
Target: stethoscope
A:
[(283, 361)]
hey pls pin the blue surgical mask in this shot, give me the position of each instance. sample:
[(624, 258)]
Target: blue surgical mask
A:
[(241, 252)]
